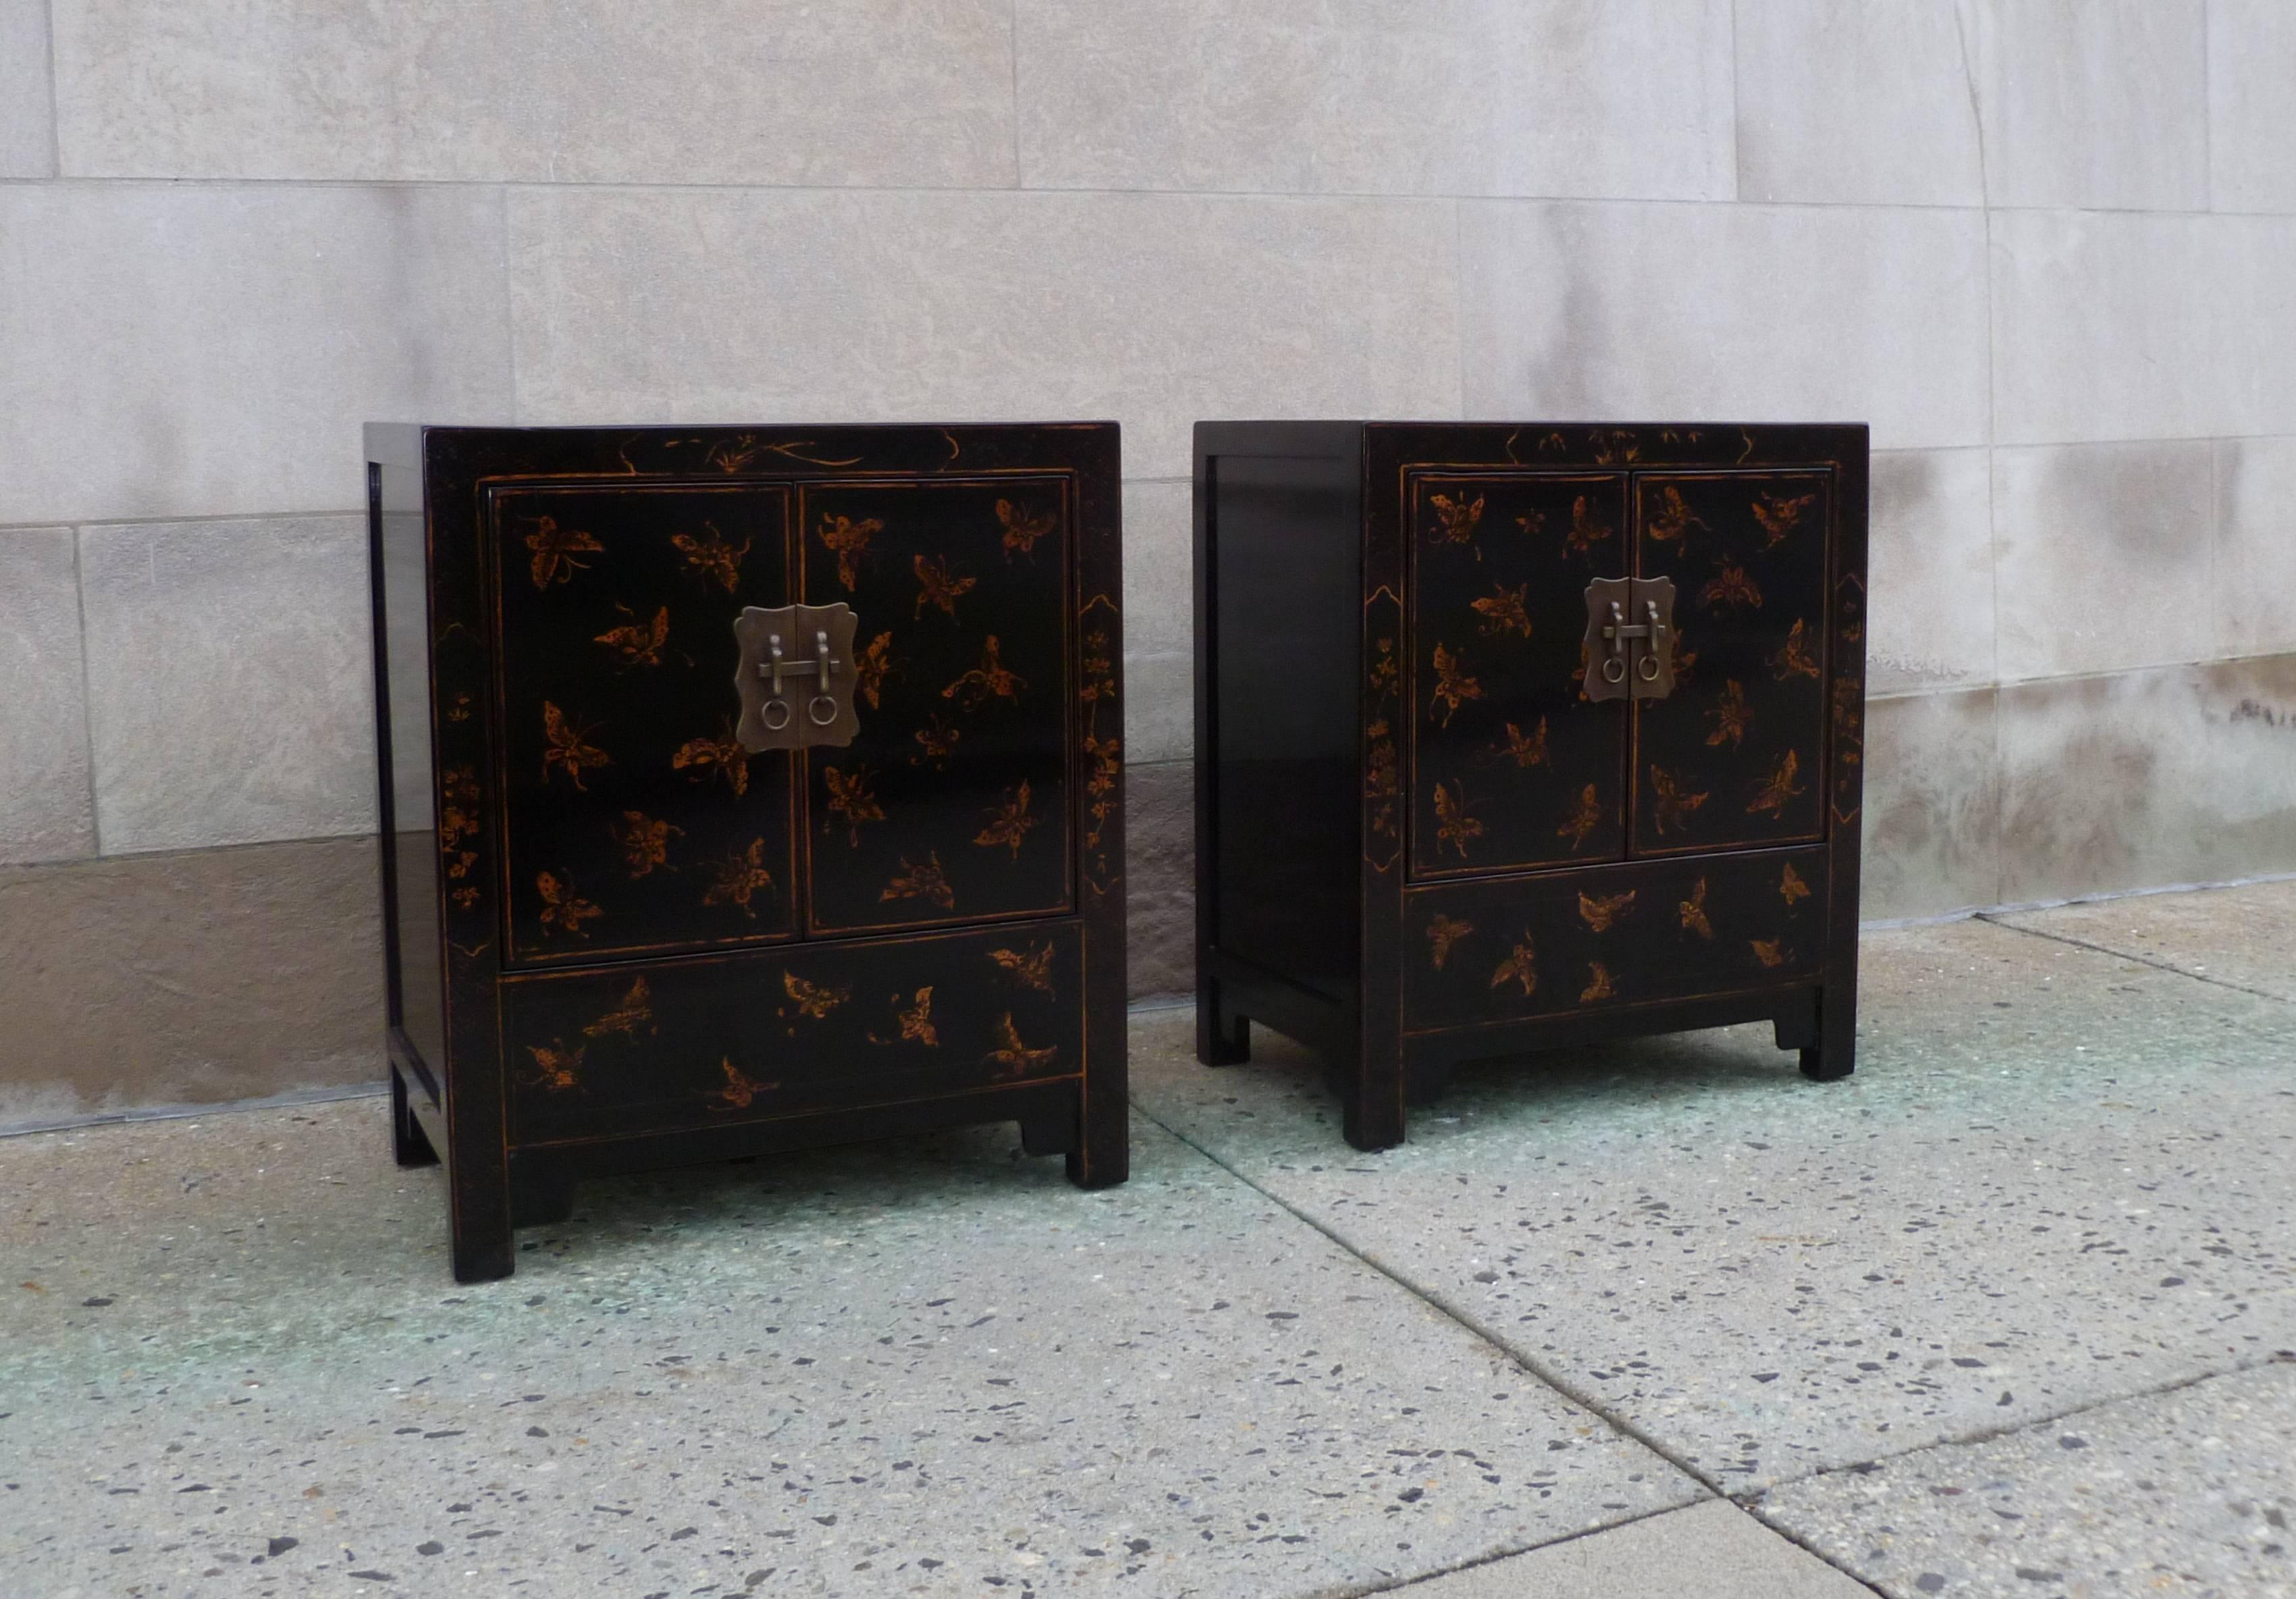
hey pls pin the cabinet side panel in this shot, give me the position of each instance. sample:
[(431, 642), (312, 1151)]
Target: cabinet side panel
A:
[(409, 814), (1286, 625)]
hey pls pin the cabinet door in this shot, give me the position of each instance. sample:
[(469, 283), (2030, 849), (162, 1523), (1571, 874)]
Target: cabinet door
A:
[(1735, 755), (951, 803), (1511, 766), (633, 822)]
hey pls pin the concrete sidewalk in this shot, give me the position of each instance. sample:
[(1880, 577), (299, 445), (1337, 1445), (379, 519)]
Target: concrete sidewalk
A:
[(2011, 1312)]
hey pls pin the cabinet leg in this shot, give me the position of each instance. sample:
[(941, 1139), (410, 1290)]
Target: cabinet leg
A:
[(408, 1144), (482, 1249), (1796, 1027), (1833, 1056), (1223, 1039), (1371, 1099), (1103, 1156)]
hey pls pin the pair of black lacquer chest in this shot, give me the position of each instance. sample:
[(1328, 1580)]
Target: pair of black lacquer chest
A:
[(751, 789)]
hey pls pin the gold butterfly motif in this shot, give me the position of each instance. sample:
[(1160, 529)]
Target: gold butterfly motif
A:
[(725, 753), (569, 750), (1022, 531), (813, 999), (1455, 520), (459, 820), (938, 742), (870, 667), (713, 557), (1684, 659), (1525, 752), (1504, 608), (1675, 518), (1442, 933), (1779, 515), (991, 679), (1731, 587), (849, 798), (1380, 776), (740, 877), (1600, 986), (638, 645), (1016, 1058), (916, 1021), (740, 1090), (1454, 825), (644, 841), (1519, 967), (636, 1006), (926, 881), (554, 548), (1586, 529), (1773, 795), (1790, 888), (1794, 660), (1033, 969), (935, 586), (1674, 804), (1583, 820), (1731, 714), (561, 907), (1453, 687), (1694, 912), (848, 541), (1531, 523), (1769, 951), (1602, 914), (556, 1068), (1011, 822), (1385, 671)]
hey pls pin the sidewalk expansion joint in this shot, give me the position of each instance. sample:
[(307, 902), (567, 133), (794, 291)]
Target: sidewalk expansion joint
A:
[(1469, 1323), (1994, 919)]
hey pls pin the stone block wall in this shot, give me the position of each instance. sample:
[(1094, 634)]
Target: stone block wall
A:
[(2048, 252)]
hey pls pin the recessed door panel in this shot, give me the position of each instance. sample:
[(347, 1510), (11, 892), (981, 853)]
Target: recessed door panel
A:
[(634, 821), (1509, 948), (1511, 765), (951, 804), (1734, 754), (709, 1042)]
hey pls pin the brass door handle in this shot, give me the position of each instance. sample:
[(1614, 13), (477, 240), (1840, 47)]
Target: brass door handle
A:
[(1630, 659), (768, 677)]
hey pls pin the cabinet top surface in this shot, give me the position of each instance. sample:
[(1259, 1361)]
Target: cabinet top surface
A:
[(1533, 444), (761, 449)]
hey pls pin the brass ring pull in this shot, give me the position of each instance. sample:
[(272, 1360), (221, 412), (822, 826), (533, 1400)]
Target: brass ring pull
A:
[(765, 714), (814, 708), (1648, 670), (1614, 670)]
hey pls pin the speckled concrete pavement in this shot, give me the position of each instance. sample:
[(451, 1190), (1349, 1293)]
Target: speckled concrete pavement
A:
[(2055, 1203), (233, 1362), (2062, 1177)]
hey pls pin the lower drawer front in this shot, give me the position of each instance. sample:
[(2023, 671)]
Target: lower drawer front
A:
[(656, 1045), (1508, 948)]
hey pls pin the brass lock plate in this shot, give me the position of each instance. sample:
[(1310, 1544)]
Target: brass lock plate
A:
[(1630, 638), (796, 677)]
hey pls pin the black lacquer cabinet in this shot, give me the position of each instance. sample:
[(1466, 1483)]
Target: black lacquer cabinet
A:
[(1510, 736), (745, 790)]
